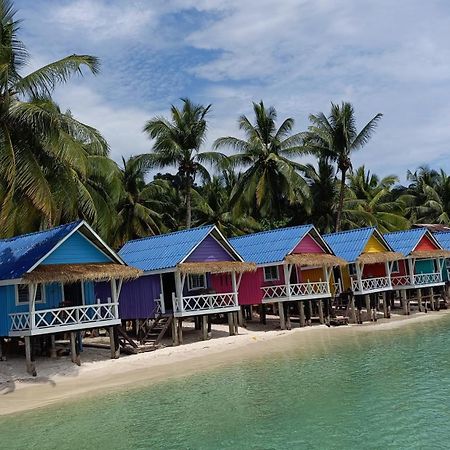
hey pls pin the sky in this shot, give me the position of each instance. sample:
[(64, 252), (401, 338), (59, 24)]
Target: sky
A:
[(383, 56)]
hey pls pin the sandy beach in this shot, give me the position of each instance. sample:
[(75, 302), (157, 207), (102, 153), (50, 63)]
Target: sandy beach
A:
[(60, 380)]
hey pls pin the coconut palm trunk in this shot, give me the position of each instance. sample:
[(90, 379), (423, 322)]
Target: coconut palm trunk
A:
[(341, 200), (188, 202)]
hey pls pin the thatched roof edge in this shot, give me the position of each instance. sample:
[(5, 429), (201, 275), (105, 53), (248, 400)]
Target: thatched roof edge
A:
[(437, 253), (216, 267), (315, 259), (379, 257)]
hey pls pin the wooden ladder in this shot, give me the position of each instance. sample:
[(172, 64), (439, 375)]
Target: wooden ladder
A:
[(157, 330)]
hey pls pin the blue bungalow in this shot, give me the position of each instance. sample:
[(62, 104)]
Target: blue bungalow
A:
[(47, 284), (422, 266), (194, 272)]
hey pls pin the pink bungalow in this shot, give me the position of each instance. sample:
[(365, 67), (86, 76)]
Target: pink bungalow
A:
[(294, 264)]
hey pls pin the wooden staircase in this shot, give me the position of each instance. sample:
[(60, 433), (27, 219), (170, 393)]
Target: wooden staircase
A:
[(150, 336)]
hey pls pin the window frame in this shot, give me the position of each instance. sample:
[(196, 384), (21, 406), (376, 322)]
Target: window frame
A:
[(396, 262), (198, 276), (271, 278), (16, 294)]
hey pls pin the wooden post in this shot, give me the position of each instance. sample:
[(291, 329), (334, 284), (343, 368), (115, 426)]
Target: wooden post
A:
[(404, 302), (320, 305), (52, 346), (310, 306), (174, 332), (204, 327), (433, 302), (419, 299), (113, 341), (230, 323), (241, 321), (301, 312), (236, 323), (31, 368), (353, 309), (180, 330), (281, 313), (1, 350), (369, 315), (385, 315), (288, 317)]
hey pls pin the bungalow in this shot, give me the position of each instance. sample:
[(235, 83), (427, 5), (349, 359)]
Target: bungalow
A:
[(370, 259), (422, 266), (47, 286), (187, 273), (294, 264), (443, 237)]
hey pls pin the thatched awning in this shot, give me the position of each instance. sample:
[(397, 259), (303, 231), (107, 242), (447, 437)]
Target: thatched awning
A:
[(71, 273), (380, 257), (216, 267), (315, 259), (437, 253)]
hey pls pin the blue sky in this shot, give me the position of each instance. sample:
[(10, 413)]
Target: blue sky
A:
[(383, 56)]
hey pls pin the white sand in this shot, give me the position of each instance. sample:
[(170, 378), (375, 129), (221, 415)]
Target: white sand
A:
[(61, 380)]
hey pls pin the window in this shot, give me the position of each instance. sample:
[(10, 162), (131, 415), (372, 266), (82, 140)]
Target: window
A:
[(22, 294), (271, 273), (196, 282), (352, 269), (395, 268)]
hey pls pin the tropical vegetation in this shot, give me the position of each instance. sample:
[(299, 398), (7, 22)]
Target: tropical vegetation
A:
[(54, 168)]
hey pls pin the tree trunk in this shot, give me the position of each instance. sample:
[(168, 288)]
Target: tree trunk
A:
[(188, 203), (341, 201)]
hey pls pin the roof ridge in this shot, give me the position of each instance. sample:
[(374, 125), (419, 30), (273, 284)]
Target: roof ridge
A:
[(34, 233), (275, 230), (348, 231), (421, 230), (168, 234)]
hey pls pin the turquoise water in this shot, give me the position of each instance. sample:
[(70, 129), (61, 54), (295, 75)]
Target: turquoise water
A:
[(388, 389)]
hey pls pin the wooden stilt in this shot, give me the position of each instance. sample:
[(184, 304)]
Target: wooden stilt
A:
[(2, 358), (308, 319), (204, 327), (236, 323), (301, 312), (419, 299), (353, 309), (434, 305), (31, 368), (282, 318), (320, 306), (384, 305), (73, 345), (404, 302), (369, 315), (113, 341), (52, 346), (174, 332), (230, 324), (288, 317), (180, 330), (241, 321)]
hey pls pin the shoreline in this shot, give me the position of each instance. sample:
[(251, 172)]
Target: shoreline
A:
[(141, 370)]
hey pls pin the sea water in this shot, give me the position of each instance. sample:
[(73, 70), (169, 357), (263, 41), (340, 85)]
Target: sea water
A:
[(372, 389)]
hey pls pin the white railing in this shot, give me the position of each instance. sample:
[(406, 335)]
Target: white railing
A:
[(401, 280), (311, 289), (61, 317), (427, 278), (371, 284), (206, 302), (336, 288), (160, 305)]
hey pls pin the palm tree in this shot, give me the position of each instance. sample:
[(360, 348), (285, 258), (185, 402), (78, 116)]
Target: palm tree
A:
[(139, 208), (370, 200), (335, 137), (177, 144), (430, 190), (211, 204), (32, 128), (270, 179)]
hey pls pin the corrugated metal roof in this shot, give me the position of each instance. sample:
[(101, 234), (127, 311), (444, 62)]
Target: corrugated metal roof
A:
[(269, 246), (20, 253), (164, 251), (443, 237), (405, 241), (349, 245)]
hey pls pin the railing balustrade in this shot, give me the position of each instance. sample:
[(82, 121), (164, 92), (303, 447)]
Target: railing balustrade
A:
[(401, 280), (61, 317), (427, 278), (297, 290), (371, 284), (205, 302)]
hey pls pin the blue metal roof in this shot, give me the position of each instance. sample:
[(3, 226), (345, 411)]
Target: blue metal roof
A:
[(164, 251), (443, 237), (269, 246), (405, 241), (20, 253), (349, 245)]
